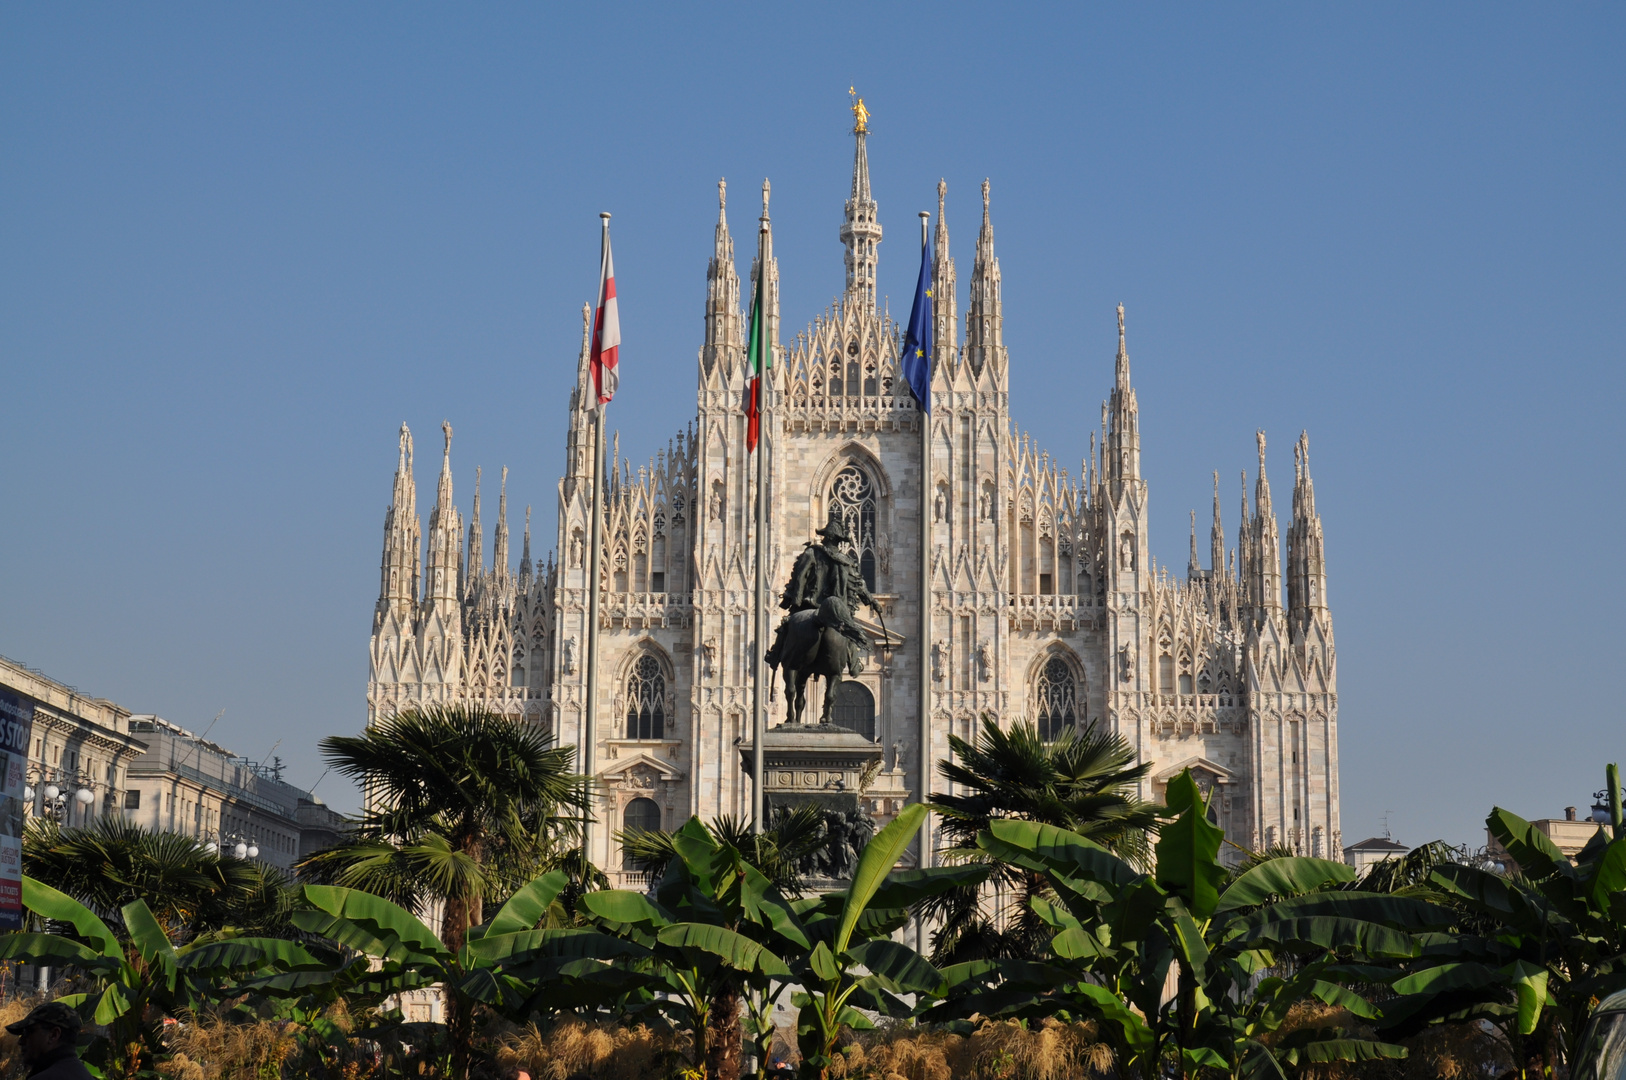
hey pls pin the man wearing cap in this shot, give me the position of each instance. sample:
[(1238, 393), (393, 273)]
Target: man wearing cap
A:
[(46, 1038)]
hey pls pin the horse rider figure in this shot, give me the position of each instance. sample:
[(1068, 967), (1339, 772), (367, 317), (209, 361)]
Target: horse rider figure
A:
[(828, 579)]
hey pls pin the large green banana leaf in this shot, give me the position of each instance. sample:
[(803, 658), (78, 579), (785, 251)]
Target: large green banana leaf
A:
[(1280, 878)]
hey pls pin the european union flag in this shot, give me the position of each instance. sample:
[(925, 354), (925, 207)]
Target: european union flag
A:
[(917, 338)]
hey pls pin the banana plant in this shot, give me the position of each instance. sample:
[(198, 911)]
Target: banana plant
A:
[(715, 930), (854, 964), (1532, 950), (144, 978), (1179, 965), (509, 965)]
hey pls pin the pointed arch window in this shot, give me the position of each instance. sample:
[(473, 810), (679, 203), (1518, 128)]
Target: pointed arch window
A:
[(852, 500), (1055, 699), (646, 700)]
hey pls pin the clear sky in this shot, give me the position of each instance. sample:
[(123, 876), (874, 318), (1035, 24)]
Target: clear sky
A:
[(240, 244)]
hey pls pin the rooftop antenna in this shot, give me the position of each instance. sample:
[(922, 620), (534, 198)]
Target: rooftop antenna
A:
[(1386, 833)]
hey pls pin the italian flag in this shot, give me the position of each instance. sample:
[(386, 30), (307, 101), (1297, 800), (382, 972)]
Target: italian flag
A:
[(759, 354)]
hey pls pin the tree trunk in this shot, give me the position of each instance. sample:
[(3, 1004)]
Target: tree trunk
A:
[(724, 1054), (461, 913)]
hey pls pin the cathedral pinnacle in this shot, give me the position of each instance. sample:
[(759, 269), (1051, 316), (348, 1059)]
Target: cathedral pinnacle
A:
[(765, 191), (499, 543), (861, 232)]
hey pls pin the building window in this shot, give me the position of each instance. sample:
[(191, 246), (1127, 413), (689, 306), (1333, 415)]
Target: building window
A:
[(1047, 585), (1055, 699), (657, 581), (646, 700), (1165, 674), (132, 799), (1185, 684), (641, 815), (854, 708), (852, 500)]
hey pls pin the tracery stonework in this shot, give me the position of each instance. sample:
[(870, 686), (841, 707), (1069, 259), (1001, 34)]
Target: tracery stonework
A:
[(1045, 603)]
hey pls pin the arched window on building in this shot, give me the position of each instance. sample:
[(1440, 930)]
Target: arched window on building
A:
[(1055, 699), (641, 815), (854, 708), (646, 700), (852, 500)]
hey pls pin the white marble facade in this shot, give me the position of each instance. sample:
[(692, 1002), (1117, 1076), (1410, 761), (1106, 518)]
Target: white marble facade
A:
[(1046, 605)]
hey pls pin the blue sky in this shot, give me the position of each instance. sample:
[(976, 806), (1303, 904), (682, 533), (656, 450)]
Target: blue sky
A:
[(240, 244)]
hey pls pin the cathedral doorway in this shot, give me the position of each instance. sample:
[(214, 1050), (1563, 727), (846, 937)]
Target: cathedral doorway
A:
[(854, 709), (641, 815)]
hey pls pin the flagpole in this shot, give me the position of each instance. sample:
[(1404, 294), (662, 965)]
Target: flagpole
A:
[(590, 712), (925, 609), (759, 702)]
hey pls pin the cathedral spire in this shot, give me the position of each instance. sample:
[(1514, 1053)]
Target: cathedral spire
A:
[(1306, 564), (722, 292), (499, 543), (525, 553), (1123, 436), (403, 552), (445, 525), (1194, 567), (475, 561), (1265, 559), (1243, 532), (1216, 536), (946, 332), (861, 232), (984, 315)]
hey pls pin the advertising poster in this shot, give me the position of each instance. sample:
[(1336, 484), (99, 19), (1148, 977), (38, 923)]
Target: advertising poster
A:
[(16, 731)]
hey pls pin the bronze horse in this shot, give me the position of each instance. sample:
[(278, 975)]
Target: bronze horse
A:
[(804, 646)]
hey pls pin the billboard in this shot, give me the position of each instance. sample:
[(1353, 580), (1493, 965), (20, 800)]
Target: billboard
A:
[(16, 731)]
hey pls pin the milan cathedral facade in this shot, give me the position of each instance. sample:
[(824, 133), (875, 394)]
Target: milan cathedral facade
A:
[(1046, 606)]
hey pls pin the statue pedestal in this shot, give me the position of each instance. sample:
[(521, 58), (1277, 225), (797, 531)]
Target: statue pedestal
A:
[(826, 765)]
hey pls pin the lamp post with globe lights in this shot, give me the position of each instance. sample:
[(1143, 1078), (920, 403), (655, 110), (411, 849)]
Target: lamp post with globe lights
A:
[(59, 790)]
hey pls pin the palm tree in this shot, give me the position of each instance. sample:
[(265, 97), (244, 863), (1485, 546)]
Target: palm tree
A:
[(1084, 781), (781, 852), (190, 890), (463, 805)]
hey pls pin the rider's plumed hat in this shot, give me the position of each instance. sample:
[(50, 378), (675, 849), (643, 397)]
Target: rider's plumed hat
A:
[(834, 529)]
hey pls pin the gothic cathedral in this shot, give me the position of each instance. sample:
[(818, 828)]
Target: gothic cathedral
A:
[(1045, 604)]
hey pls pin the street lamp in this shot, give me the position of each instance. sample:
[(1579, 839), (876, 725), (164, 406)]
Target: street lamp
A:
[(1600, 808)]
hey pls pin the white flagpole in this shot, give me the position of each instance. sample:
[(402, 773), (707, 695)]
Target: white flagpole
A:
[(590, 707), (925, 608), (759, 701)]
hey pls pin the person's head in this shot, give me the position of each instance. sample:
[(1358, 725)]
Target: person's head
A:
[(834, 532), (45, 1029)]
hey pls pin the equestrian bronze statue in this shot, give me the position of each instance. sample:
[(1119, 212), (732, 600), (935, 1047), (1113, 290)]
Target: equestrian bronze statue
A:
[(820, 636)]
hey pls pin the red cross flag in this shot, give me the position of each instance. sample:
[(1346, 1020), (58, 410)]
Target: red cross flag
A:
[(606, 326)]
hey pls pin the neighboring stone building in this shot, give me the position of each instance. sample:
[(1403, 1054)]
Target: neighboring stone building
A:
[(78, 743), (1046, 604), (1371, 851), (190, 785), (1569, 834)]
